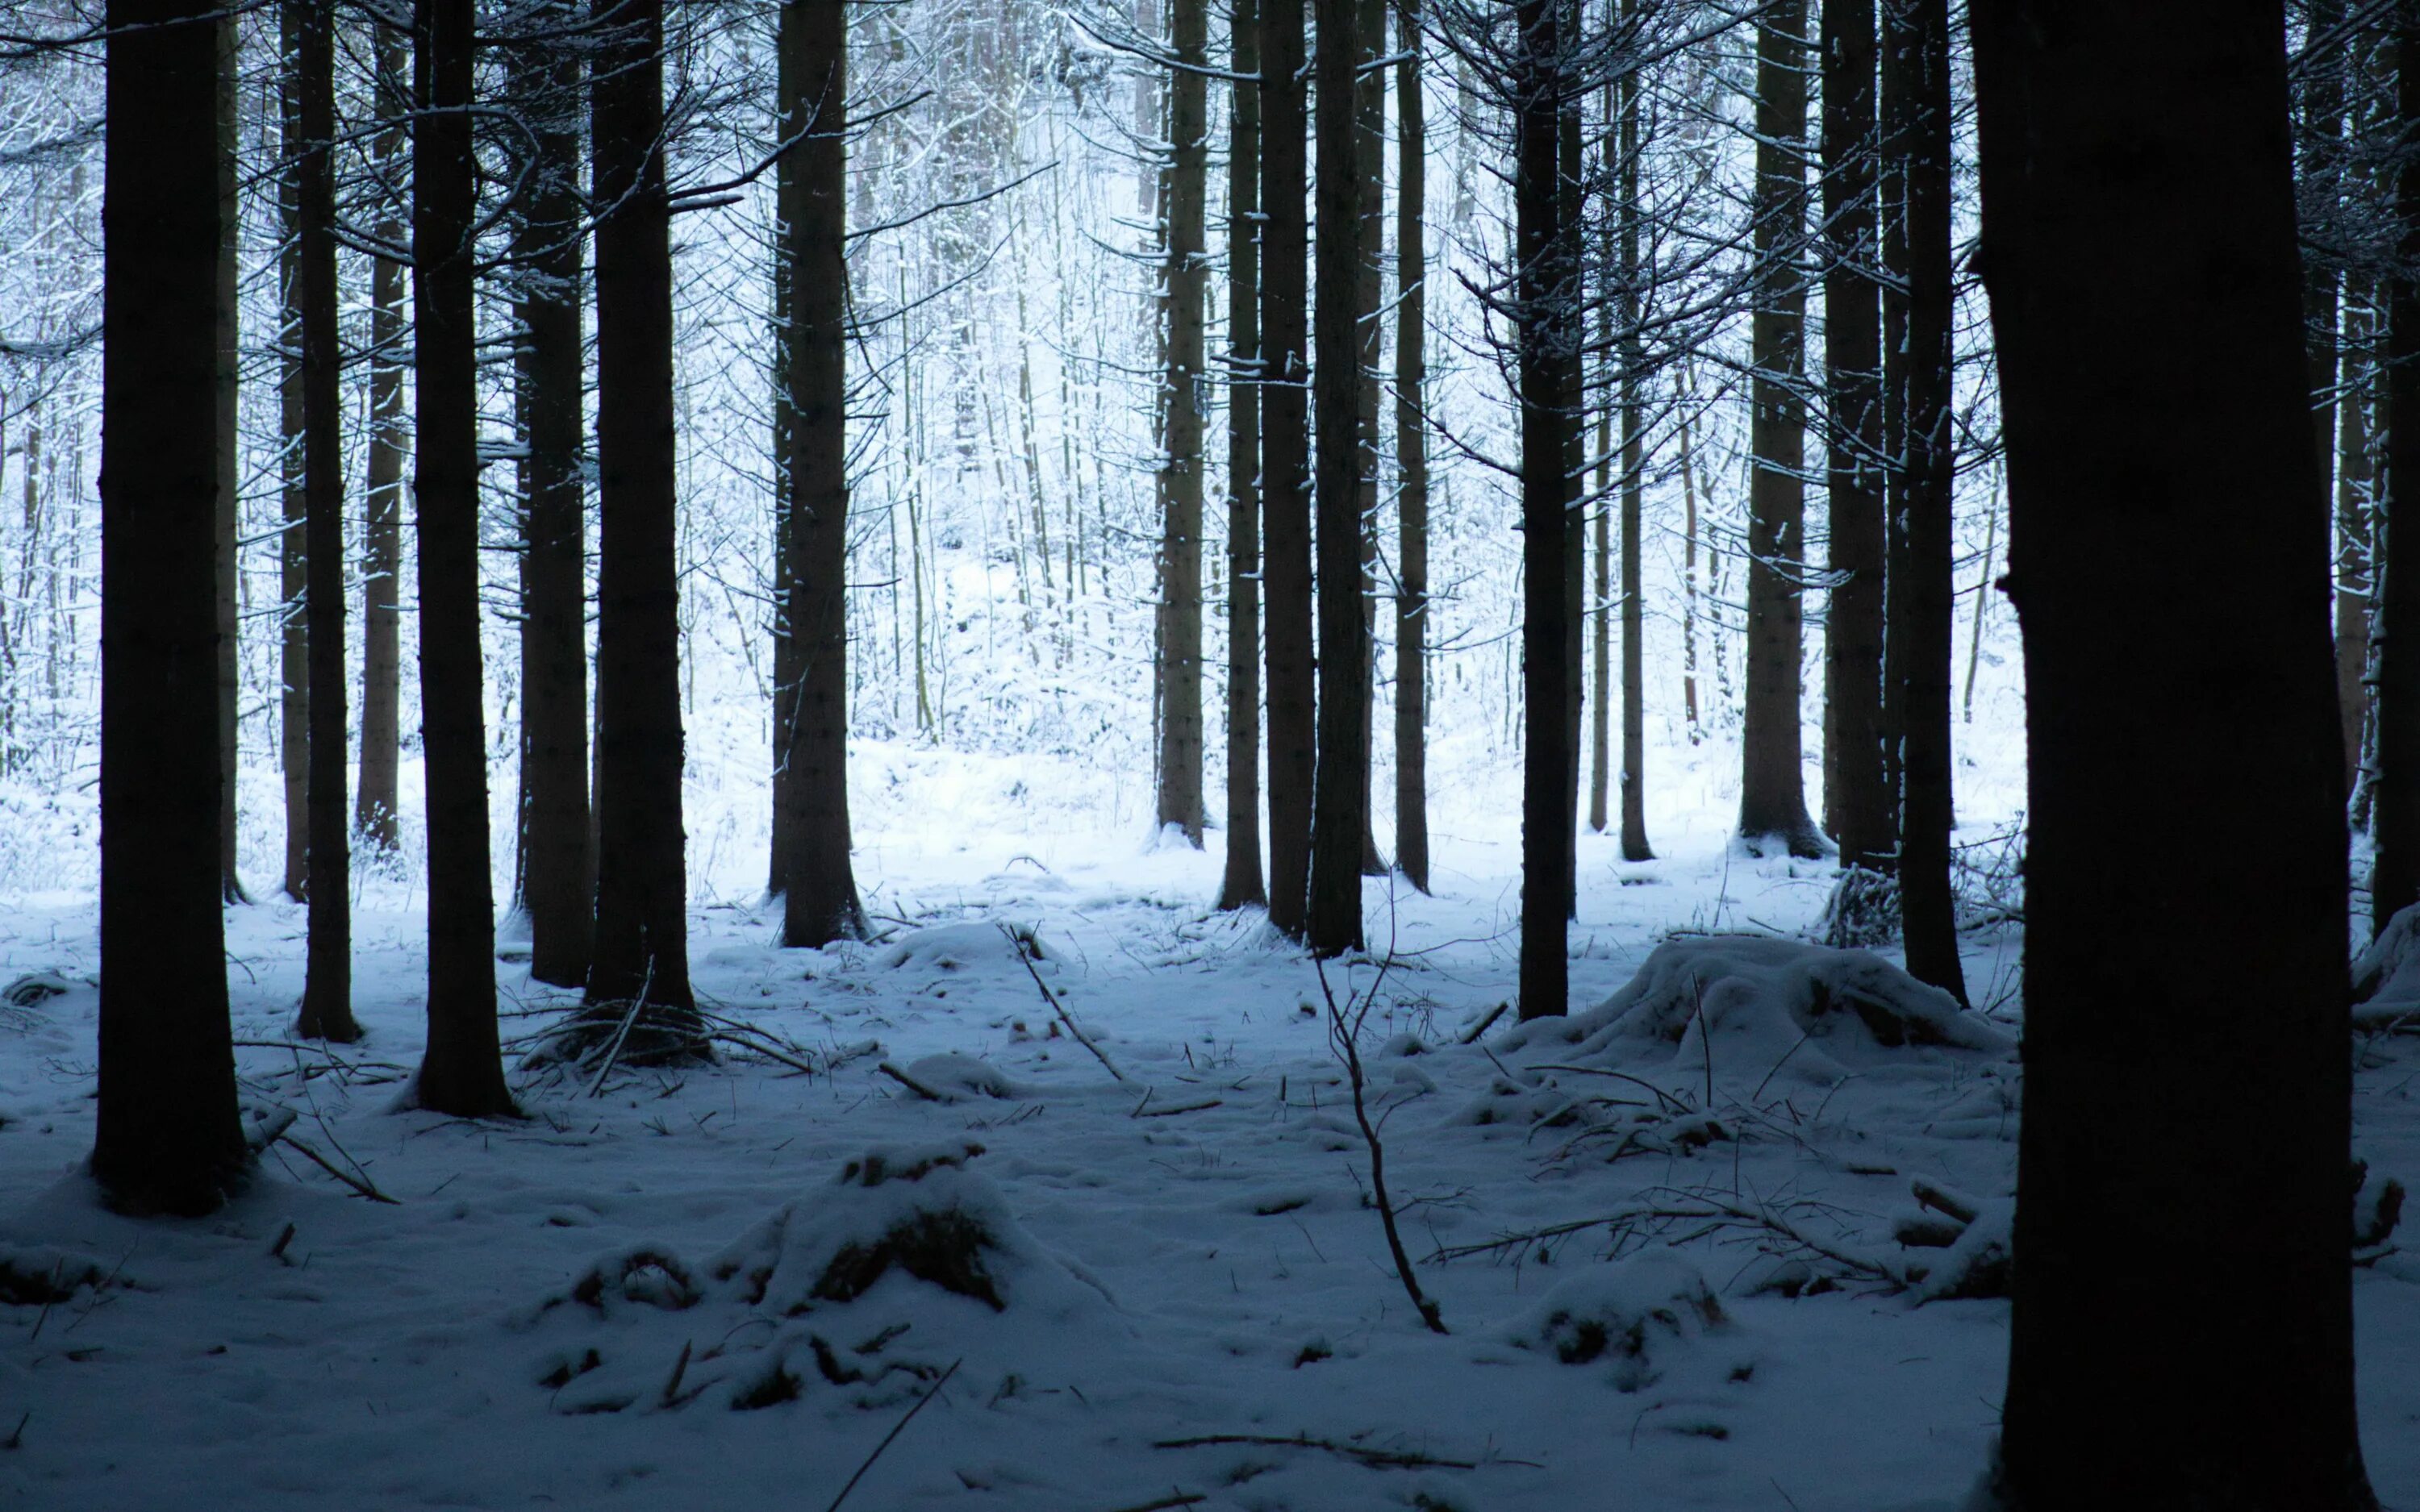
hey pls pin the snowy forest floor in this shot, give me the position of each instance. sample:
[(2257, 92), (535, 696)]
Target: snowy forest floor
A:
[(1188, 1255)]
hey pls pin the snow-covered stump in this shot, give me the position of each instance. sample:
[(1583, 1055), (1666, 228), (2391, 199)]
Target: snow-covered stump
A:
[(2386, 976), (905, 1251)]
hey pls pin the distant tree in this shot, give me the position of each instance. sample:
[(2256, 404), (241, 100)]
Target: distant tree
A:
[(559, 857), (1772, 792), (1411, 456), (1185, 401), (2159, 694), (820, 904), (1285, 460), (1333, 924), (1242, 886), (461, 1072), (328, 975), (642, 951), (293, 464), (167, 1137), (389, 445), (1632, 372)]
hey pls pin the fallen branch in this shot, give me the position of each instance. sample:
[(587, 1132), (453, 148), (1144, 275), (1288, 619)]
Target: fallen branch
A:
[(359, 1183), (1016, 942), (1178, 1499), (1470, 1034), (910, 1083), (1175, 1108), (1374, 1459), (1345, 1034), (896, 1429)]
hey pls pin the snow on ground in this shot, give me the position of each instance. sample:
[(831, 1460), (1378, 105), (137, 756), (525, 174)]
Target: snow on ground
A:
[(700, 1287)]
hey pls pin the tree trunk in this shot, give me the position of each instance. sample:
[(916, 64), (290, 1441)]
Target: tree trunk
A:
[(1411, 456), (390, 442), (1369, 297), (1773, 794), (821, 905), (294, 646), (1241, 886), (2159, 694), (328, 975), (1186, 398), (1571, 186), (1855, 796), (559, 872), (2394, 875), (462, 1071), (1633, 358), (642, 951), (1333, 924), (167, 1138), (2355, 510), (1926, 817), (1285, 461), (226, 314), (1546, 275)]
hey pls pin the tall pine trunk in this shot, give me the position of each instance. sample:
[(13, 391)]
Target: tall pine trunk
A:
[(328, 974), (390, 443), (1772, 792), (1370, 116), (1856, 798), (293, 467), (1285, 460), (1241, 886), (1186, 400), (2355, 515), (1920, 30), (1546, 347), (1333, 924), (167, 1137), (821, 902), (2159, 695), (641, 950), (1632, 360), (226, 313), (559, 862), (1411, 456), (2395, 646), (462, 1071)]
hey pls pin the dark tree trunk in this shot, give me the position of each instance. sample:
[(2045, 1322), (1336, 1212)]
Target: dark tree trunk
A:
[(1241, 886), (2159, 694), (821, 905), (2355, 510), (1571, 190), (390, 442), (1285, 461), (642, 951), (1927, 905), (2394, 827), (462, 1071), (559, 865), (1772, 792), (1186, 400), (1333, 924), (328, 974), (226, 314), (167, 1137), (1547, 341), (1411, 458), (1855, 795), (1633, 358), (293, 467), (1370, 293)]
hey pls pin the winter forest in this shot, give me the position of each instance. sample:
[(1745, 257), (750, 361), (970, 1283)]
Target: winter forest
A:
[(1260, 755)]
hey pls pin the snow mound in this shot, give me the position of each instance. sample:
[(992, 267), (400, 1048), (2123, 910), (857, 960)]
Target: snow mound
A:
[(1803, 1010), (1640, 1315), (955, 1075), (959, 947), (34, 1275), (2387, 976), (906, 1243)]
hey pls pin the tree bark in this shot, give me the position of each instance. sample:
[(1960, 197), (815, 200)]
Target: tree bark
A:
[(328, 974), (1547, 349), (2395, 875), (1772, 792), (1411, 456), (2355, 510), (1855, 795), (1928, 907), (294, 646), (1242, 886), (1369, 297), (2135, 177), (227, 315), (1633, 358), (559, 863), (1285, 461), (461, 1072), (641, 950), (1333, 924), (390, 443), (821, 905), (167, 1138), (1186, 400)]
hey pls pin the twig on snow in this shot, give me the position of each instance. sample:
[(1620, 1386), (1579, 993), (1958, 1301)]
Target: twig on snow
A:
[(896, 1429), (1345, 1034), (1016, 942)]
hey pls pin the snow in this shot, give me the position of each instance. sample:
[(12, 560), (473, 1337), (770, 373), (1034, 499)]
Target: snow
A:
[(1725, 1282)]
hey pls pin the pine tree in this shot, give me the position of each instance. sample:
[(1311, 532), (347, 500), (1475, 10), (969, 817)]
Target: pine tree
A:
[(1184, 400), (1241, 886), (1411, 456), (1285, 460)]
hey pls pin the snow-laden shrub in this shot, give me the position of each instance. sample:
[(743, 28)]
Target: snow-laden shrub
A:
[(1638, 1313)]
